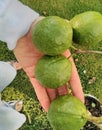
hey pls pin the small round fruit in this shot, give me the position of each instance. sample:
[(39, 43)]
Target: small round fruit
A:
[(67, 113), (87, 28), (53, 71), (52, 35)]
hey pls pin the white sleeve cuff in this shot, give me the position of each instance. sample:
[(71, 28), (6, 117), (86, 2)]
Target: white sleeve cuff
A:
[(7, 74), (10, 119), (15, 21)]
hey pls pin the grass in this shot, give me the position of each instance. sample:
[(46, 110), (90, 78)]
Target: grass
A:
[(89, 65)]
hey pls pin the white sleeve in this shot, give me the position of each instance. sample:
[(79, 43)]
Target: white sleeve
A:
[(7, 75), (10, 119), (15, 21)]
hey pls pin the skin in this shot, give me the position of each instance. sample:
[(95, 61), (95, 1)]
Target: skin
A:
[(27, 55), (15, 64)]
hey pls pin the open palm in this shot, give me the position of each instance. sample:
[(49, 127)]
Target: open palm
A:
[(27, 55)]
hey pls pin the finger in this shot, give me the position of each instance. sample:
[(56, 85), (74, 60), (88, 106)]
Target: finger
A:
[(41, 94), (76, 86), (52, 93), (75, 82), (67, 53), (62, 90)]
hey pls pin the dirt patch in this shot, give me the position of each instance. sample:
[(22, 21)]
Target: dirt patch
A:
[(95, 107)]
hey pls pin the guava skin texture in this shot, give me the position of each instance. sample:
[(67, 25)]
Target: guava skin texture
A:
[(53, 71), (52, 35), (87, 28), (67, 113)]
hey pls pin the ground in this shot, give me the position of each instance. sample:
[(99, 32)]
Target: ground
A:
[(89, 65)]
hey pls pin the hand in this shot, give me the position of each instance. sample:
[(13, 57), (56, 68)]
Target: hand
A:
[(27, 55)]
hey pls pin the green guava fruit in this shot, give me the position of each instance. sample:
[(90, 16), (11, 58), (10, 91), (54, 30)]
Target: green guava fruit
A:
[(52, 35), (87, 28), (67, 113), (53, 71)]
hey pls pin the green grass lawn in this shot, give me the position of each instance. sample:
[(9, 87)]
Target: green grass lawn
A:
[(89, 65)]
